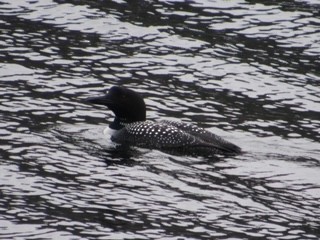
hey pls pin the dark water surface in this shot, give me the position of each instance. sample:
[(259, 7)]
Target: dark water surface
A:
[(246, 70)]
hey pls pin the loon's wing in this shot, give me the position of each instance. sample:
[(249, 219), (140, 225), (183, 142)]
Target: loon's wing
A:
[(205, 136), (163, 135), (156, 135)]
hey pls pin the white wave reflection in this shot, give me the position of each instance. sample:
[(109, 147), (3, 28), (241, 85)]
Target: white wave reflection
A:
[(17, 184), (229, 65), (11, 230), (73, 17)]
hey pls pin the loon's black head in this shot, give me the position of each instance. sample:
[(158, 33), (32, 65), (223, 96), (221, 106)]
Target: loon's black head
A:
[(127, 105)]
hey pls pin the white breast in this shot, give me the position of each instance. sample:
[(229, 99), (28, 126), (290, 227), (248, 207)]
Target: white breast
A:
[(109, 131)]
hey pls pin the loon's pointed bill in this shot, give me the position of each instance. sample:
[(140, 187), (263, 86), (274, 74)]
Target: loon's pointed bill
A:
[(131, 127), (100, 100)]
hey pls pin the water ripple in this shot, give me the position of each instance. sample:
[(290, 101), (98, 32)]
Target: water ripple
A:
[(247, 71)]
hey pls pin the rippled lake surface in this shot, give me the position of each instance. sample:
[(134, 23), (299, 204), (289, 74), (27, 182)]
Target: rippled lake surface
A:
[(246, 70)]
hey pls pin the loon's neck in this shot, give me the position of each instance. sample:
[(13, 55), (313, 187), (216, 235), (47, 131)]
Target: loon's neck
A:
[(118, 123)]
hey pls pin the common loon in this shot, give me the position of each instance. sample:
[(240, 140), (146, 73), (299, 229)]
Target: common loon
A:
[(131, 127)]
